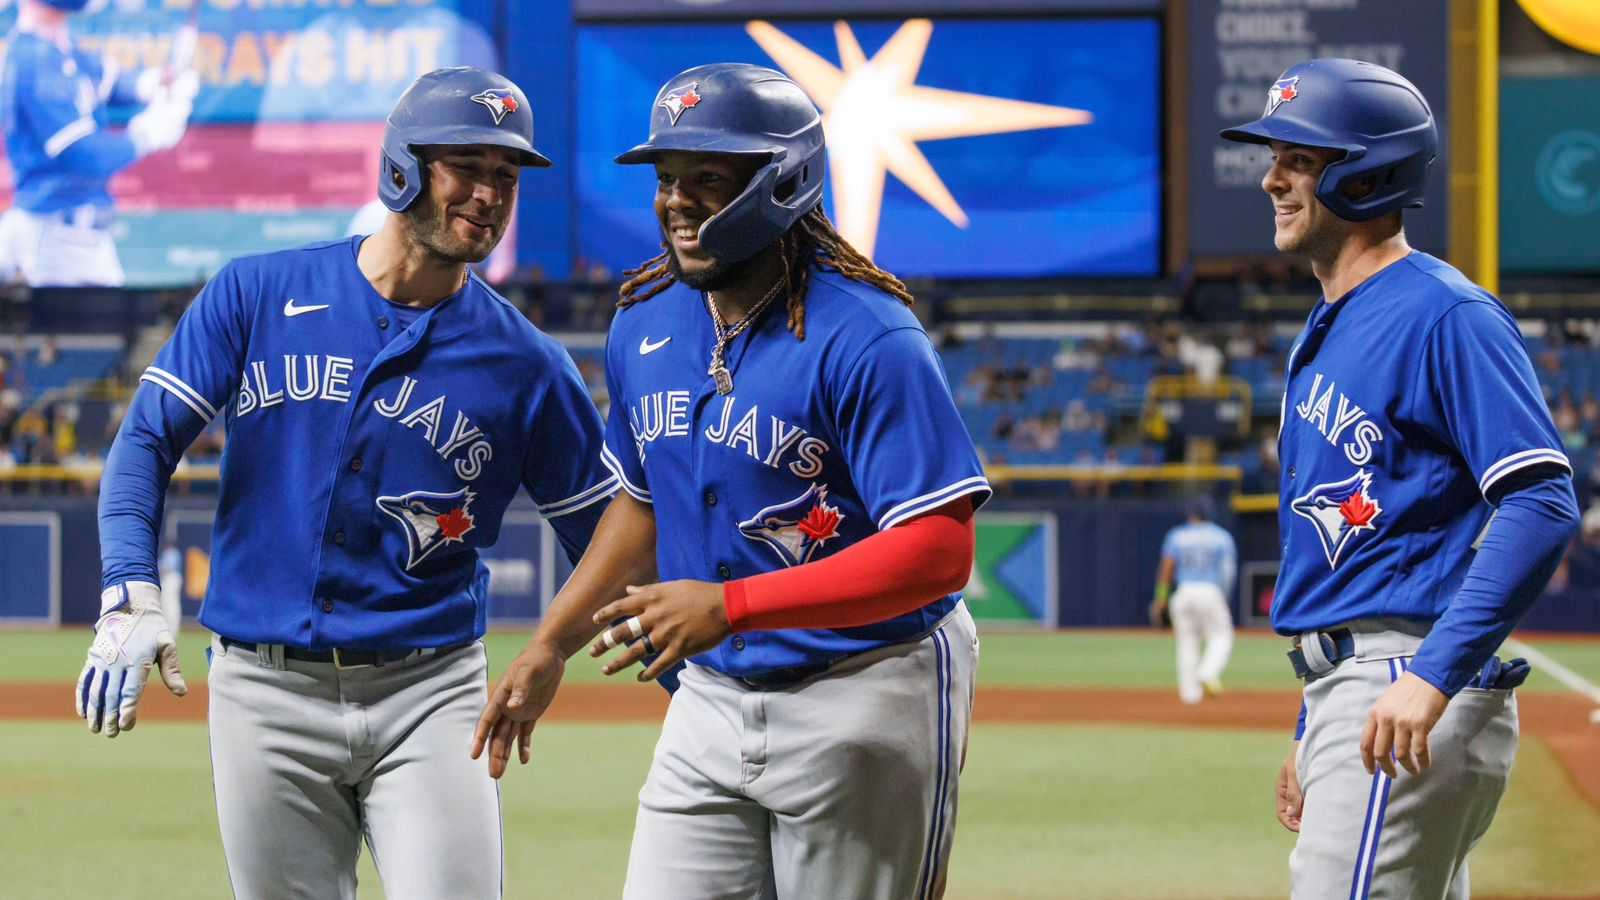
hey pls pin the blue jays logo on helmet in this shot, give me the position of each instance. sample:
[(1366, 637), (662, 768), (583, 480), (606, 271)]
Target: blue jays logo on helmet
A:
[(430, 520), (686, 97), (498, 101), (797, 529), (1339, 511), (1282, 91)]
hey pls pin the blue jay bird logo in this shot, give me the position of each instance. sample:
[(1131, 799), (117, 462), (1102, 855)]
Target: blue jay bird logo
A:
[(1339, 510), (797, 529), (430, 520), (1282, 91), (499, 102), (686, 97)]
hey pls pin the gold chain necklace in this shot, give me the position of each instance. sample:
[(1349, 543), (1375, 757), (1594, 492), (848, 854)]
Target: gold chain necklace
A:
[(719, 370)]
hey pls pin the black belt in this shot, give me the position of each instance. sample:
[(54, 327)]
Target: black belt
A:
[(347, 659), (778, 679), (1338, 645)]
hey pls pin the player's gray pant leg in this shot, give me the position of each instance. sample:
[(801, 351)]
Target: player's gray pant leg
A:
[(308, 758), (431, 812), (842, 786), (1367, 836), (697, 834), (285, 801)]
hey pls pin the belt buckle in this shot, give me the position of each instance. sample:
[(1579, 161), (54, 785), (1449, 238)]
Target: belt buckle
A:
[(338, 663)]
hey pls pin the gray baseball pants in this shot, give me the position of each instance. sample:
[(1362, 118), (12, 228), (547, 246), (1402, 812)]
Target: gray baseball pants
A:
[(842, 786), (309, 759), (1407, 838)]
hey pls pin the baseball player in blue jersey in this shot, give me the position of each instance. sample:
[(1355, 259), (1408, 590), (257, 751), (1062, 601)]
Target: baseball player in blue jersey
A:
[(1425, 502), (53, 102), (384, 406), (1200, 557), (799, 484)]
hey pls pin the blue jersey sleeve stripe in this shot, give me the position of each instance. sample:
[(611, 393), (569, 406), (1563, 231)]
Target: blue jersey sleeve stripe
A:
[(75, 131), (638, 493), (589, 497), (190, 396), (918, 505), (1521, 461)]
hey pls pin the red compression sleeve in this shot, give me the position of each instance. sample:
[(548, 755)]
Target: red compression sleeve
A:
[(891, 573)]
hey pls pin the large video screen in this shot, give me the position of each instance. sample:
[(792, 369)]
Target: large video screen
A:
[(282, 146), (967, 148)]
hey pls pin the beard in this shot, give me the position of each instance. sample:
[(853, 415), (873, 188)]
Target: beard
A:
[(430, 230), (719, 276)]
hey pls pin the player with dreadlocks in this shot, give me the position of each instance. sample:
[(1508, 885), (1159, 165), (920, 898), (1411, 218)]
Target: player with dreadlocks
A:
[(797, 525)]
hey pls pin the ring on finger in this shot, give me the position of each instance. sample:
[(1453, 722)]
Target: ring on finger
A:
[(648, 647), (635, 626)]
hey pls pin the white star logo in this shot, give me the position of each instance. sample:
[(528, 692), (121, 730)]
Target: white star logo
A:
[(874, 115)]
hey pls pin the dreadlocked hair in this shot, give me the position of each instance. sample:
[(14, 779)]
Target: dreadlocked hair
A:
[(812, 239)]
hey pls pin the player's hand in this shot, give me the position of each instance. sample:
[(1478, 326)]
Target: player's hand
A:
[(1158, 614), (159, 126), (674, 619), (1398, 726), (515, 705), (129, 638), (1291, 800)]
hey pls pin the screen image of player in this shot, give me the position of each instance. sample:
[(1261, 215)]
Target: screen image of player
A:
[(1018, 148), (282, 143)]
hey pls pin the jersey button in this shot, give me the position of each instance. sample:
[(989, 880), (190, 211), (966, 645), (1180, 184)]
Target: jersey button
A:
[(711, 499), (724, 572), (738, 643), (1291, 471), (383, 322), (327, 606), (355, 464), (338, 538)]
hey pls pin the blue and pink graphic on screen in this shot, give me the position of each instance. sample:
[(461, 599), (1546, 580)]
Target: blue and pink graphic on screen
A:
[(957, 148), (283, 144)]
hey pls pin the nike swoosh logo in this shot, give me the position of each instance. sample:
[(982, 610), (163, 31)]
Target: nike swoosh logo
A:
[(290, 310), (646, 348)]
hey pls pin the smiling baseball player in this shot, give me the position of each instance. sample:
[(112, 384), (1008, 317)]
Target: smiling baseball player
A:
[(1412, 419), (384, 406), (796, 471)]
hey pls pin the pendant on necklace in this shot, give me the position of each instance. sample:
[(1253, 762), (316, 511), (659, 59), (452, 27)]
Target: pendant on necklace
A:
[(719, 373)]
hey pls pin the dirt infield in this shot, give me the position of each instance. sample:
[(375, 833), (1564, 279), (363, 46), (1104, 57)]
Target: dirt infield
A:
[(1562, 720)]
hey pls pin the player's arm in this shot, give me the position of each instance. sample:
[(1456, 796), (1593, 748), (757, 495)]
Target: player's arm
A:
[(47, 108), (621, 554), (1495, 416), (1158, 605), (178, 395)]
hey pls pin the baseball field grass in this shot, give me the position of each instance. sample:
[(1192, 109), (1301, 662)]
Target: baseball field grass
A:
[(1049, 809)]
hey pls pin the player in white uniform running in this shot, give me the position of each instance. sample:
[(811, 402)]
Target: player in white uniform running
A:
[(384, 408), (1412, 420), (53, 102), (798, 481), (1201, 558)]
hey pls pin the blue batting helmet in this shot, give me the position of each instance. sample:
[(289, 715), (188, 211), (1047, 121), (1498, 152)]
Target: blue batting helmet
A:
[(745, 109), (1380, 120), (451, 106)]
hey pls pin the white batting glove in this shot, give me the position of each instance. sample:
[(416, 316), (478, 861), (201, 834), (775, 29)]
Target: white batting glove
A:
[(159, 126), (130, 637)]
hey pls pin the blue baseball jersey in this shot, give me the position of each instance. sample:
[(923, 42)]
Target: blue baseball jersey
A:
[(367, 459), (53, 114), (1202, 552), (822, 443), (1407, 402)]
